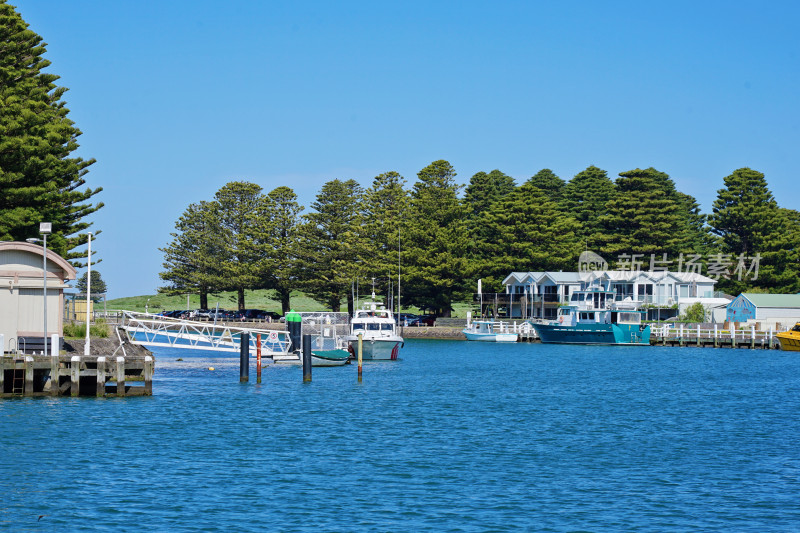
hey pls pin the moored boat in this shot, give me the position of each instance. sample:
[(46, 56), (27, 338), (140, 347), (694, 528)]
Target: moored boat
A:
[(790, 340), (489, 331), (594, 317), (336, 357), (379, 338)]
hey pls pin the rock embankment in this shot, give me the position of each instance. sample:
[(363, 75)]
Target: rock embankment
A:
[(435, 332), (99, 346)]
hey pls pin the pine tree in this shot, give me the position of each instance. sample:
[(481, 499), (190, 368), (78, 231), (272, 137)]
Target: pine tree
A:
[(437, 243), (527, 231), (384, 210), (39, 181), (98, 285), (242, 212), (192, 261), (748, 221), (330, 241), (645, 217), (550, 184), (485, 189), (585, 198), (279, 270)]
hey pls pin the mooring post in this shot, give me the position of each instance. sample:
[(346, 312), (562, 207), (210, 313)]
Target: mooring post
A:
[(120, 376), (769, 338), (698, 335), (28, 375), (716, 345), (733, 336), (101, 376), (75, 375), (244, 357), (149, 369), (681, 336), (306, 358), (360, 353), (752, 337), (258, 357)]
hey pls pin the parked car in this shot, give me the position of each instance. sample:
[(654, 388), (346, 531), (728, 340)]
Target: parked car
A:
[(424, 320), (406, 319)]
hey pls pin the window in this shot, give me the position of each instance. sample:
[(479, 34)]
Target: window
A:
[(373, 327), (386, 327), (356, 326)]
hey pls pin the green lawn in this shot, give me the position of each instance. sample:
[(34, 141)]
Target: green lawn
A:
[(259, 299)]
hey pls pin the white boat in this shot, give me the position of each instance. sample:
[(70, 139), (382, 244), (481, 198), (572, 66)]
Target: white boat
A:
[(379, 338), (489, 331)]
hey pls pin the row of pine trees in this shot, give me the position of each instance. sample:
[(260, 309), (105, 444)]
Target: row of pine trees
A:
[(441, 239)]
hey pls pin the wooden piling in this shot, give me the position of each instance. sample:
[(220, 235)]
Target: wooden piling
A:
[(101, 377), (120, 376), (244, 357), (258, 357), (306, 358), (28, 375), (55, 375), (149, 368), (360, 354), (75, 375)]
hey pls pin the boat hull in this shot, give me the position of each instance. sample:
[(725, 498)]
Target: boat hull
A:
[(490, 337), (330, 357), (789, 342), (376, 349), (607, 334)]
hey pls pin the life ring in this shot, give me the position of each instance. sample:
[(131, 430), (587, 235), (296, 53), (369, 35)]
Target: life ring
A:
[(561, 319)]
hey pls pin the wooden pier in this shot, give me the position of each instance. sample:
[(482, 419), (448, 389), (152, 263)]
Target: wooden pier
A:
[(75, 375), (748, 338)]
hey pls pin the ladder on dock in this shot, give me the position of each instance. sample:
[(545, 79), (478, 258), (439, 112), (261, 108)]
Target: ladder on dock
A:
[(18, 380)]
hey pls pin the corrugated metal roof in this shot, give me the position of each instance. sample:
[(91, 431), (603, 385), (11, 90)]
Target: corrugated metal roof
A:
[(773, 300)]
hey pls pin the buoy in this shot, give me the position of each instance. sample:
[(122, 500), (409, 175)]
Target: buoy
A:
[(211, 368)]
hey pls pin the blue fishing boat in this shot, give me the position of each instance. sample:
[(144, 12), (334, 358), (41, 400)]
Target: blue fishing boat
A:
[(593, 316)]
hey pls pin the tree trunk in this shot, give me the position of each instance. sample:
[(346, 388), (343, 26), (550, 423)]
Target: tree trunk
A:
[(240, 293), (203, 299), (284, 298), (350, 303)]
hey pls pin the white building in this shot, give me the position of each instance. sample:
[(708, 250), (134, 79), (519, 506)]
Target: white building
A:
[(22, 294), (538, 294)]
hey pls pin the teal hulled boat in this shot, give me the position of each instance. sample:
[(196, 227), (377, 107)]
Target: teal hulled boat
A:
[(594, 317)]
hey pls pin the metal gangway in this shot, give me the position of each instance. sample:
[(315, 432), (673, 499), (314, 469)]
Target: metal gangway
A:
[(158, 331)]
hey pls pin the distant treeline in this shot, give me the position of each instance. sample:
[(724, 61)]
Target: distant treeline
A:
[(443, 241)]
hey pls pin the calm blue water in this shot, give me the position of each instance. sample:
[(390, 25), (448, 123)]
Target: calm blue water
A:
[(456, 436)]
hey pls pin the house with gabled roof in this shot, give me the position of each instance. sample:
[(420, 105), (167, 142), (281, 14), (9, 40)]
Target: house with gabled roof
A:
[(774, 310)]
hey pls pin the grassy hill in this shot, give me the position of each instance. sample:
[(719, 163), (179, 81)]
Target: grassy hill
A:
[(259, 299)]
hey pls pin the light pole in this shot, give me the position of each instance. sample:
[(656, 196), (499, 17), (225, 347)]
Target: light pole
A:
[(45, 228), (87, 345)]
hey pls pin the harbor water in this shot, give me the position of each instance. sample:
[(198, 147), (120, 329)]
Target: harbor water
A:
[(455, 436)]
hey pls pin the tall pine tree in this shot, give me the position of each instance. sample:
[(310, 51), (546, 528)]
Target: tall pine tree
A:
[(279, 267), (550, 184), (39, 180), (585, 198), (434, 258), (330, 241)]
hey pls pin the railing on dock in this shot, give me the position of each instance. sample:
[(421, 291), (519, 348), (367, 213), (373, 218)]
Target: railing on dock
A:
[(159, 331), (717, 337)]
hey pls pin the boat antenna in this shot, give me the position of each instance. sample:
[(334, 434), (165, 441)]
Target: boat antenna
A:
[(398, 272)]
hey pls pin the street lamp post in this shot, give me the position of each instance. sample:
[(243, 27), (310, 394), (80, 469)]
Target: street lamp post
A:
[(45, 228)]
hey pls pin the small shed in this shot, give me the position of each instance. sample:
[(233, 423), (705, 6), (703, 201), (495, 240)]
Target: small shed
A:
[(22, 294), (767, 309)]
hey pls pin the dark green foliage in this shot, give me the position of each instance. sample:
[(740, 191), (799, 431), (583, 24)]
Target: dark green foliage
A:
[(645, 216), (39, 181), (192, 259), (526, 231), (279, 268), (434, 258), (98, 285), (330, 242), (748, 221), (694, 313), (485, 189), (550, 184), (585, 198), (385, 208)]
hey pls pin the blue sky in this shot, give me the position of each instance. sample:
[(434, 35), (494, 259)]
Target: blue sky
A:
[(177, 98)]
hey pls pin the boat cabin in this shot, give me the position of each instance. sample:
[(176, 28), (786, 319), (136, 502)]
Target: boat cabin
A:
[(373, 317), (597, 306)]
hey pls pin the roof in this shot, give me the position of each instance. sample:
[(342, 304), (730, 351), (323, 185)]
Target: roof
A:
[(67, 270), (773, 300)]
